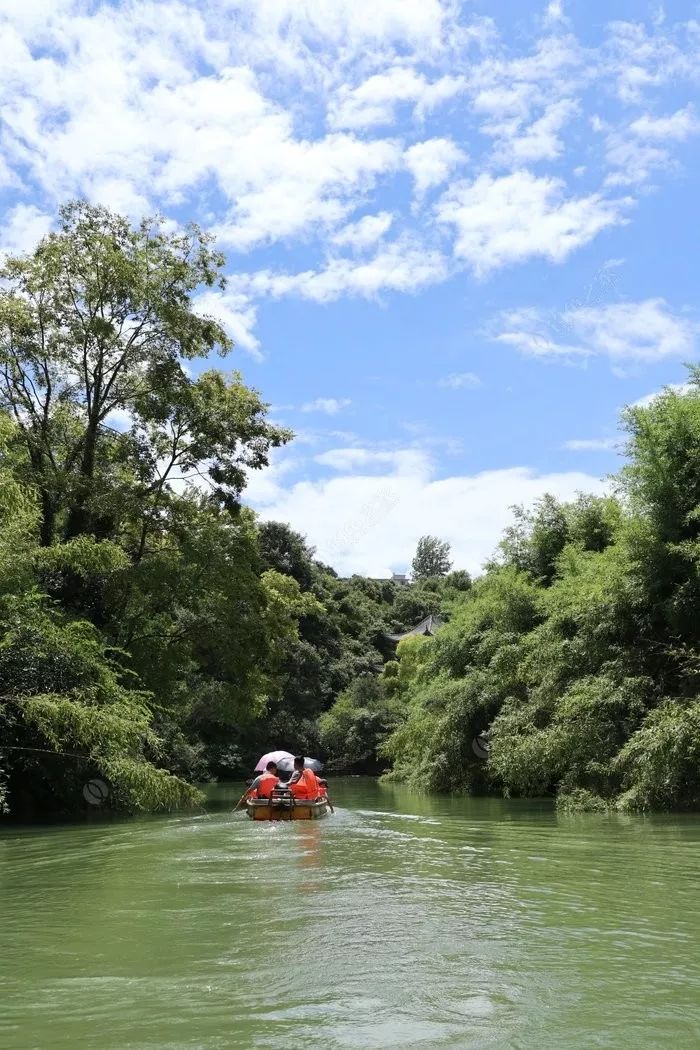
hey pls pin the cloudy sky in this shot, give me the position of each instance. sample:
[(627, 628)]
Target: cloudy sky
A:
[(460, 235)]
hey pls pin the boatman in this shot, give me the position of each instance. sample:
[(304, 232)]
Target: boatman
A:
[(303, 783), (262, 786)]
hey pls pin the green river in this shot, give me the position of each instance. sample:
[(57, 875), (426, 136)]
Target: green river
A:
[(402, 921)]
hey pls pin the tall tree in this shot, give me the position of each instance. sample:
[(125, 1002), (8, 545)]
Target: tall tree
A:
[(137, 624), (99, 320), (432, 558)]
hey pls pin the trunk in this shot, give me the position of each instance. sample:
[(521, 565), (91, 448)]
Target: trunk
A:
[(47, 497), (78, 522), (48, 519)]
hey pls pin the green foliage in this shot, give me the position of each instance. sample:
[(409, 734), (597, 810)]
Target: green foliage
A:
[(285, 550), (353, 729), (139, 630), (456, 682), (660, 763), (432, 558), (662, 479), (98, 319), (413, 604), (67, 716), (458, 580), (578, 651), (581, 801), (538, 537)]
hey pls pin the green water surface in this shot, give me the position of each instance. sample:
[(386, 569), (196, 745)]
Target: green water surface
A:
[(402, 921)]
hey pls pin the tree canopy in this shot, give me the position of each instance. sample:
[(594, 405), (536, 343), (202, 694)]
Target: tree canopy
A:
[(577, 652), (432, 559), (138, 623)]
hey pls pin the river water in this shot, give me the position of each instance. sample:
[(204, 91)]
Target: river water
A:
[(402, 921)]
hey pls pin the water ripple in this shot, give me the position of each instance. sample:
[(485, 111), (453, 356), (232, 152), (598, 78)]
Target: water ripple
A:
[(404, 921)]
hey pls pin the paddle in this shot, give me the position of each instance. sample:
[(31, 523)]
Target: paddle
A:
[(328, 801), (241, 799)]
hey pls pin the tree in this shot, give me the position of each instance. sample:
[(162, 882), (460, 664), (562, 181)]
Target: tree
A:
[(98, 320), (67, 710), (357, 723), (286, 551), (578, 651), (139, 630), (534, 543), (537, 538), (432, 558), (411, 605), (458, 580)]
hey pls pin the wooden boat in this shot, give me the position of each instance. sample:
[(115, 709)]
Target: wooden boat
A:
[(283, 806)]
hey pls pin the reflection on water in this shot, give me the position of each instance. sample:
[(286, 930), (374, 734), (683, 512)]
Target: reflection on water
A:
[(403, 921)]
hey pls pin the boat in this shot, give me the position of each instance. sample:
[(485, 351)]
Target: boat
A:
[(282, 805)]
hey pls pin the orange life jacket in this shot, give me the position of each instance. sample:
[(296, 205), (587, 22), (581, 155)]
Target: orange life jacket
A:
[(306, 786), (267, 782)]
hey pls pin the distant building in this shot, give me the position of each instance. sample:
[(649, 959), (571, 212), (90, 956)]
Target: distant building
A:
[(399, 577)]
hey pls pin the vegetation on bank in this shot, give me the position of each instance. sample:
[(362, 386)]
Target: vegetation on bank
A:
[(154, 633), (578, 650)]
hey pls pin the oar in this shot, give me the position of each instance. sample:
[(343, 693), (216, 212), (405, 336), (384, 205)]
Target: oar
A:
[(330, 805), (241, 799)]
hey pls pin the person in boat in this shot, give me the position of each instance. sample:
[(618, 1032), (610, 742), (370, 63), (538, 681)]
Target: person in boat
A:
[(263, 785), (303, 782)]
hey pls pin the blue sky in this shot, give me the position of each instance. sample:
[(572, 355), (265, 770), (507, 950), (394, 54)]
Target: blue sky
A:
[(460, 236)]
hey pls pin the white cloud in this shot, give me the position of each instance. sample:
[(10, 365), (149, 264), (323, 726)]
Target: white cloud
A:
[(631, 331), (235, 312), (499, 221), (679, 125), (403, 266), (432, 162), (638, 60), (371, 522), (592, 445), (403, 461), (264, 486), (502, 98), (329, 406), (537, 342), (517, 145), (512, 88), (119, 419), (23, 227), (461, 381), (222, 112), (8, 178), (634, 153), (554, 12), (296, 187), (632, 162), (365, 232), (118, 109), (676, 388), (640, 331), (350, 25), (375, 101)]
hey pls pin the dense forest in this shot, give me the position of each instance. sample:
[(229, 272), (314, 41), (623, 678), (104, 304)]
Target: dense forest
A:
[(577, 652), (154, 633)]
